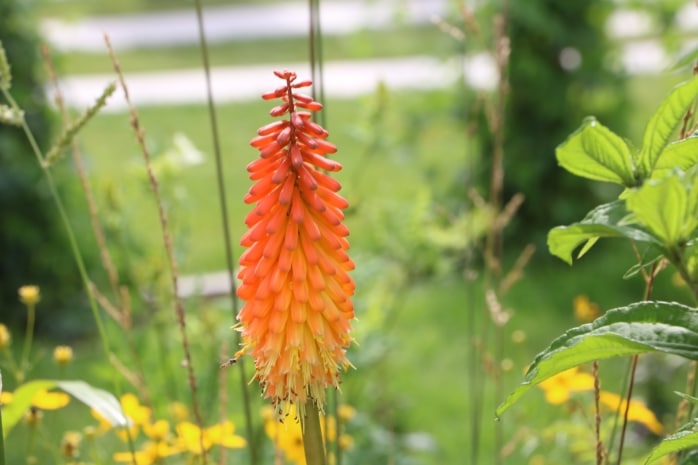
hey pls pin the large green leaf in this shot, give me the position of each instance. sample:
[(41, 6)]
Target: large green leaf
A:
[(21, 401), (641, 327), (101, 401), (595, 152), (665, 208), (682, 154), (664, 123), (682, 440), (606, 220)]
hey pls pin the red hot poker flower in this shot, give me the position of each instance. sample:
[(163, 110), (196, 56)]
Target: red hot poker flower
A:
[(294, 273)]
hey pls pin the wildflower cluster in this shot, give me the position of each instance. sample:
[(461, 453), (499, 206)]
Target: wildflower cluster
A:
[(294, 273), (160, 441)]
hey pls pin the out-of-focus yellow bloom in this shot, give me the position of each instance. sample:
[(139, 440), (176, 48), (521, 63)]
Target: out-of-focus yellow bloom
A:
[(62, 355), (29, 295), (32, 417), (558, 388), (585, 311), (70, 444), (179, 411), (191, 438), (346, 412), (150, 453), (158, 431), (138, 415), (638, 411), (345, 442), (43, 399), (46, 400), (5, 336)]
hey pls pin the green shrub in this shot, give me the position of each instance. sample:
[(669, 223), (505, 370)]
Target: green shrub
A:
[(33, 246)]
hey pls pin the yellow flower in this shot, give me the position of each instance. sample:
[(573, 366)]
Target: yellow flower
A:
[(46, 400), (295, 272), (139, 415), (179, 411), (6, 397), (158, 431), (5, 336), (638, 411), (43, 399), (150, 453), (32, 417), (29, 295), (346, 412), (70, 444), (62, 355), (558, 388), (585, 311), (191, 438)]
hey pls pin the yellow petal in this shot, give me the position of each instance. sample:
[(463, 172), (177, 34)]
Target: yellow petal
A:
[(45, 400)]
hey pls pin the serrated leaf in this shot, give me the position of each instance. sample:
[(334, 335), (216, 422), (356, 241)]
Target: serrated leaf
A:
[(604, 221), (595, 152), (674, 443), (641, 327), (682, 154), (665, 208), (664, 123)]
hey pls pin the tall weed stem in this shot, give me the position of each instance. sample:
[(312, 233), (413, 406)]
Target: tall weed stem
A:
[(180, 315), (229, 258)]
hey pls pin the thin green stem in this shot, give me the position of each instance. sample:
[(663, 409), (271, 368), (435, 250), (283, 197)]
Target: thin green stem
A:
[(597, 414), (66, 223), (312, 435), (631, 384), (229, 256), (28, 339), (2, 438)]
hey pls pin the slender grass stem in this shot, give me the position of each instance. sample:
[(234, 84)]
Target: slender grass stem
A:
[(180, 314), (66, 223), (229, 256), (597, 414), (2, 438), (313, 443), (28, 339)]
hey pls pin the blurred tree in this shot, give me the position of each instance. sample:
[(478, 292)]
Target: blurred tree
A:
[(558, 74), (33, 246)]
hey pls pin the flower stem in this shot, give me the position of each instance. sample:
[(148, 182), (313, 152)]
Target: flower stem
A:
[(2, 440), (312, 435), (28, 338)]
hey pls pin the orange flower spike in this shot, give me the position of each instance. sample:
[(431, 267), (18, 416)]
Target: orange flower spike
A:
[(294, 273)]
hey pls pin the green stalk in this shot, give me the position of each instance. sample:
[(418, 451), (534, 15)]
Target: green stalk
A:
[(312, 435), (229, 257), (2, 438), (28, 339), (66, 223)]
